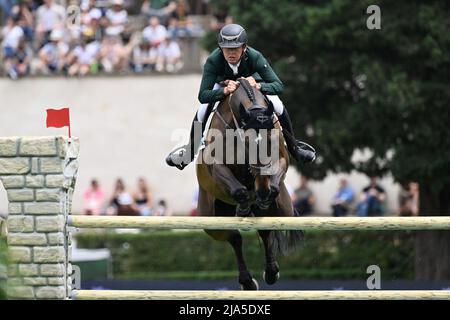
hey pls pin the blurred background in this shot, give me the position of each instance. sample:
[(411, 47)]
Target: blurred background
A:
[(369, 89)]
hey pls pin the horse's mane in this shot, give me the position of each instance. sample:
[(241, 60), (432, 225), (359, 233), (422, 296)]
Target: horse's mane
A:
[(248, 89)]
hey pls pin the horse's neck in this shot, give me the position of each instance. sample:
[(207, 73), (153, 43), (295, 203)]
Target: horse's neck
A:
[(224, 108)]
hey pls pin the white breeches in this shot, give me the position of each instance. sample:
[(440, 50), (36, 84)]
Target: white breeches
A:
[(277, 105)]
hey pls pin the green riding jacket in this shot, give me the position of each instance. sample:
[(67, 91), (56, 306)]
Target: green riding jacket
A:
[(253, 63)]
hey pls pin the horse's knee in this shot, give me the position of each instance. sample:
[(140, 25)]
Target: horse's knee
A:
[(241, 195), (265, 196)]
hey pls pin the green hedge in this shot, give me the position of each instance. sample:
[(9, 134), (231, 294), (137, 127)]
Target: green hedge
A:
[(194, 255)]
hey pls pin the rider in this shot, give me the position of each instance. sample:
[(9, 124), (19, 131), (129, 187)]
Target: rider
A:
[(233, 60)]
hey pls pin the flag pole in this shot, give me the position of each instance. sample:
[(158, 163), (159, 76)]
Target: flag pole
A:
[(70, 134)]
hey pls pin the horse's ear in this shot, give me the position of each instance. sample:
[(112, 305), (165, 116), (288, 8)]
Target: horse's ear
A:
[(243, 113), (270, 108)]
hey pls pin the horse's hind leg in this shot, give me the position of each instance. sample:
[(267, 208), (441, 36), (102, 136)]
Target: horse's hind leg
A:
[(245, 277), (234, 238), (272, 272)]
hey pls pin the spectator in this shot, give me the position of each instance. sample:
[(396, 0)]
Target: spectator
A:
[(155, 32), (26, 19), (21, 59), (343, 199), (161, 9), (6, 8), (113, 55), (162, 209), (93, 199), (303, 197), (143, 198), (144, 56), (220, 20), (117, 18), (371, 200), (187, 28), (409, 200), (53, 56), (193, 29), (90, 19), (49, 16), (172, 28), (11, 33), (83, 57), (169, 56), (122, 203), (181, 13)]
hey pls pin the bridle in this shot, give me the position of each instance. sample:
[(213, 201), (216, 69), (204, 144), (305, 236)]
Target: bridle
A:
[(253, 169)]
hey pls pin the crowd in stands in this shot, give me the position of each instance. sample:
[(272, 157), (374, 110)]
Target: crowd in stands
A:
[(371, 201), (122, 202), (43, 37)]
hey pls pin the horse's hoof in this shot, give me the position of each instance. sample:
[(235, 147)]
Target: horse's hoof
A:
[(263, 204), (271, 278), (241, 195), (274, 191), (242, 211), (243, 198), (253, 285), (272, 273)]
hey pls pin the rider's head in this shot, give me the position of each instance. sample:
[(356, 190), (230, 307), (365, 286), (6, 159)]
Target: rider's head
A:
[(233, 42)]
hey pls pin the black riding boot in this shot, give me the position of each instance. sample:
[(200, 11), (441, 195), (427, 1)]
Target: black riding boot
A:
[(184, 155), (301, 151)]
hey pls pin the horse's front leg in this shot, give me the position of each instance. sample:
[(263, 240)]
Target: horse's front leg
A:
[(278, 175), (268, 186), (222, 174)]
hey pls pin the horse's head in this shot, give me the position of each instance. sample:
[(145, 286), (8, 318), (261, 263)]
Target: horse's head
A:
[(251, 109), (253, 114)]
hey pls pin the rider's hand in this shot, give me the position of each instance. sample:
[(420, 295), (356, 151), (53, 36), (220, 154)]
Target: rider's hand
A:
[(231, 87), (253, 82)]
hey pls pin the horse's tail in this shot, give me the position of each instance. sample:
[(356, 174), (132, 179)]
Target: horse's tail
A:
[(285, 242)]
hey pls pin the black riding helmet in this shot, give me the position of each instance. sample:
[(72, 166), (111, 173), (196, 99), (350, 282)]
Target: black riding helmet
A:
[(232, 36)]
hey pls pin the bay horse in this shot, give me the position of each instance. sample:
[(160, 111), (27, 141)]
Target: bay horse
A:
[(244, 188)]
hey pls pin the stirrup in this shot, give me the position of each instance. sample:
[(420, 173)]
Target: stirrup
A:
[(177, 158), (303, 145)]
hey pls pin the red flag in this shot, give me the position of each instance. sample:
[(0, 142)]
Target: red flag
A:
[(58, 118)]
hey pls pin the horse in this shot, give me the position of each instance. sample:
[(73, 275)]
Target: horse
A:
[(245, 189)]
